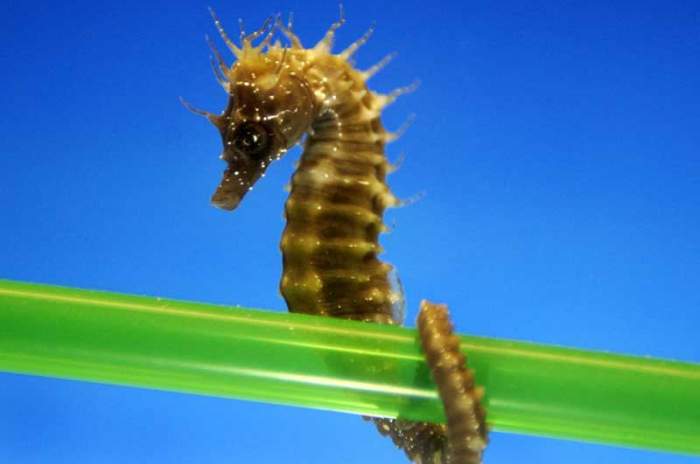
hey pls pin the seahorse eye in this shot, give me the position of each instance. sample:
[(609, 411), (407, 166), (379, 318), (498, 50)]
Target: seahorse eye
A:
[(251, 138)]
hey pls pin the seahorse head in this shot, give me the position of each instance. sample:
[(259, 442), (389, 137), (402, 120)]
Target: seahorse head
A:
[(269, 109)]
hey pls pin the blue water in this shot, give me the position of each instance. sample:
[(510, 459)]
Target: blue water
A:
[(557, 144)]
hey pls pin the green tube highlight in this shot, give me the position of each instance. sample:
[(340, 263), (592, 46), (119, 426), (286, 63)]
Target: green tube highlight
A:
[(341, 365)]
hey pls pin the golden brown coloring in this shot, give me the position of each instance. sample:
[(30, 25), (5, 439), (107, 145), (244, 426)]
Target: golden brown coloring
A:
[(338, 195)]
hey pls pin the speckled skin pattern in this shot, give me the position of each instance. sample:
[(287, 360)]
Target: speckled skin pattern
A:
[(334, 212)]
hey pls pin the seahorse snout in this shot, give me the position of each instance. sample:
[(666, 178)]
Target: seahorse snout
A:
[(231, 190)]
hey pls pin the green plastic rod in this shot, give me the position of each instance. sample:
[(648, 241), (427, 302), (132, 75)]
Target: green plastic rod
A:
[(341, 365)]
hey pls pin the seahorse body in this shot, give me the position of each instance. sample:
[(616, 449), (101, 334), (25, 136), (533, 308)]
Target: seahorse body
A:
[(337, 199), (334, 211)]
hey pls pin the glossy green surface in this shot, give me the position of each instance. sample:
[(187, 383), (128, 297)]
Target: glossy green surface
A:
[(341, 365)]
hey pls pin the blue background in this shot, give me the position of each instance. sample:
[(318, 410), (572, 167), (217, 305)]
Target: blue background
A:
[(557, 144)]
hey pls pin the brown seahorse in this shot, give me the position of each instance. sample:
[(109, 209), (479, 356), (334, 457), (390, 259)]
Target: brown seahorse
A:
[(334, 211)]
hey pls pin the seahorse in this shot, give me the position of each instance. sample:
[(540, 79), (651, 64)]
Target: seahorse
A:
[(278, 94)]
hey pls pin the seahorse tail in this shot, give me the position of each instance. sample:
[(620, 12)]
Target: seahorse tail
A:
[(466, 417), (422, 442)]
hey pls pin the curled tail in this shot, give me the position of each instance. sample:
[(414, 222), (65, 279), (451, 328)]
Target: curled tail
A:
[(466, 417), (463, 439)]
